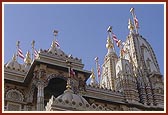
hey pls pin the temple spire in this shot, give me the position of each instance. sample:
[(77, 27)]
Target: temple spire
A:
[(130, 26), (136, 24)]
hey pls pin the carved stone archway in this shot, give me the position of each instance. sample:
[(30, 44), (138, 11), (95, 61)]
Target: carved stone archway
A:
[(56, 86)]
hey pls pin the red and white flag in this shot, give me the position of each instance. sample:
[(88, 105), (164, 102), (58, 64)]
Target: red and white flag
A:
[(72, 72), (35, 53), (56, 43), (118, 42), (99, 71), (136, 22), (20, 53), (114, 37)]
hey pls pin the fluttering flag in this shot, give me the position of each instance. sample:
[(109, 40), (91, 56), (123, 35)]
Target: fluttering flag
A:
[(72, 72), (57, 44), (35, 53), (118, 42), (114, 37), (99, 71), (20, 53), (136, 22)]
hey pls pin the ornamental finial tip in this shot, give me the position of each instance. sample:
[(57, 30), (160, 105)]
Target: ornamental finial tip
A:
[(132, 10), (55, 32), (109, 29)]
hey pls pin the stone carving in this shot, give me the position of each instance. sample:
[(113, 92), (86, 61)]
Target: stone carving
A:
[(14, 95)]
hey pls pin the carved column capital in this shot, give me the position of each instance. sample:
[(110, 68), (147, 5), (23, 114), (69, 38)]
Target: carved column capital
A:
[(40, 81), (39, 77)]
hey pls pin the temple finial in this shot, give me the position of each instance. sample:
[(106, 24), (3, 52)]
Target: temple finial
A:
[(109, 29), (14, 57), (109, 43), (55, 42), (55, 32), (27, 60), (136, 23), (17, 44)]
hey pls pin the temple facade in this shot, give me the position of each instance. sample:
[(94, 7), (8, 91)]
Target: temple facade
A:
[(129, 82)]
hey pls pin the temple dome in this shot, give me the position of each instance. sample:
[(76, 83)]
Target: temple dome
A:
[(69, 96), (13, 64)]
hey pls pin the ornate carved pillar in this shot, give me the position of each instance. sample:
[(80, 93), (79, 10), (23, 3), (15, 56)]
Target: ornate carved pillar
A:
[(40, 81), (40, 96)]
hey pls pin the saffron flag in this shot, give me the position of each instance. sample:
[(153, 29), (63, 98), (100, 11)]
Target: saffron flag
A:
[(20, 53), (136, 22)]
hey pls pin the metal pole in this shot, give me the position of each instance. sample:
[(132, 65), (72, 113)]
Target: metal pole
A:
[(55, 32), (33, 42), (17, 48), (96, 60), (110, 34)]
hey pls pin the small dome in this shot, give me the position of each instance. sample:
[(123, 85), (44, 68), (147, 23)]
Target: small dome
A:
[(13, 64), (69, 96)]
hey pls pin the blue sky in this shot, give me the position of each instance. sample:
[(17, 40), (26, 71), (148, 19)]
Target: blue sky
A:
[(82, 28)]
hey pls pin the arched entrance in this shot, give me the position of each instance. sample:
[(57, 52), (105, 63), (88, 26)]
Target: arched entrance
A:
[(56, 87)]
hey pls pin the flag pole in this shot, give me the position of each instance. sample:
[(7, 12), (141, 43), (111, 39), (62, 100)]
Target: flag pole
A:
[(33, 43), (96, 61), (55, 32), (17, 48), (110, 34), (98, 73), (132, 11)]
